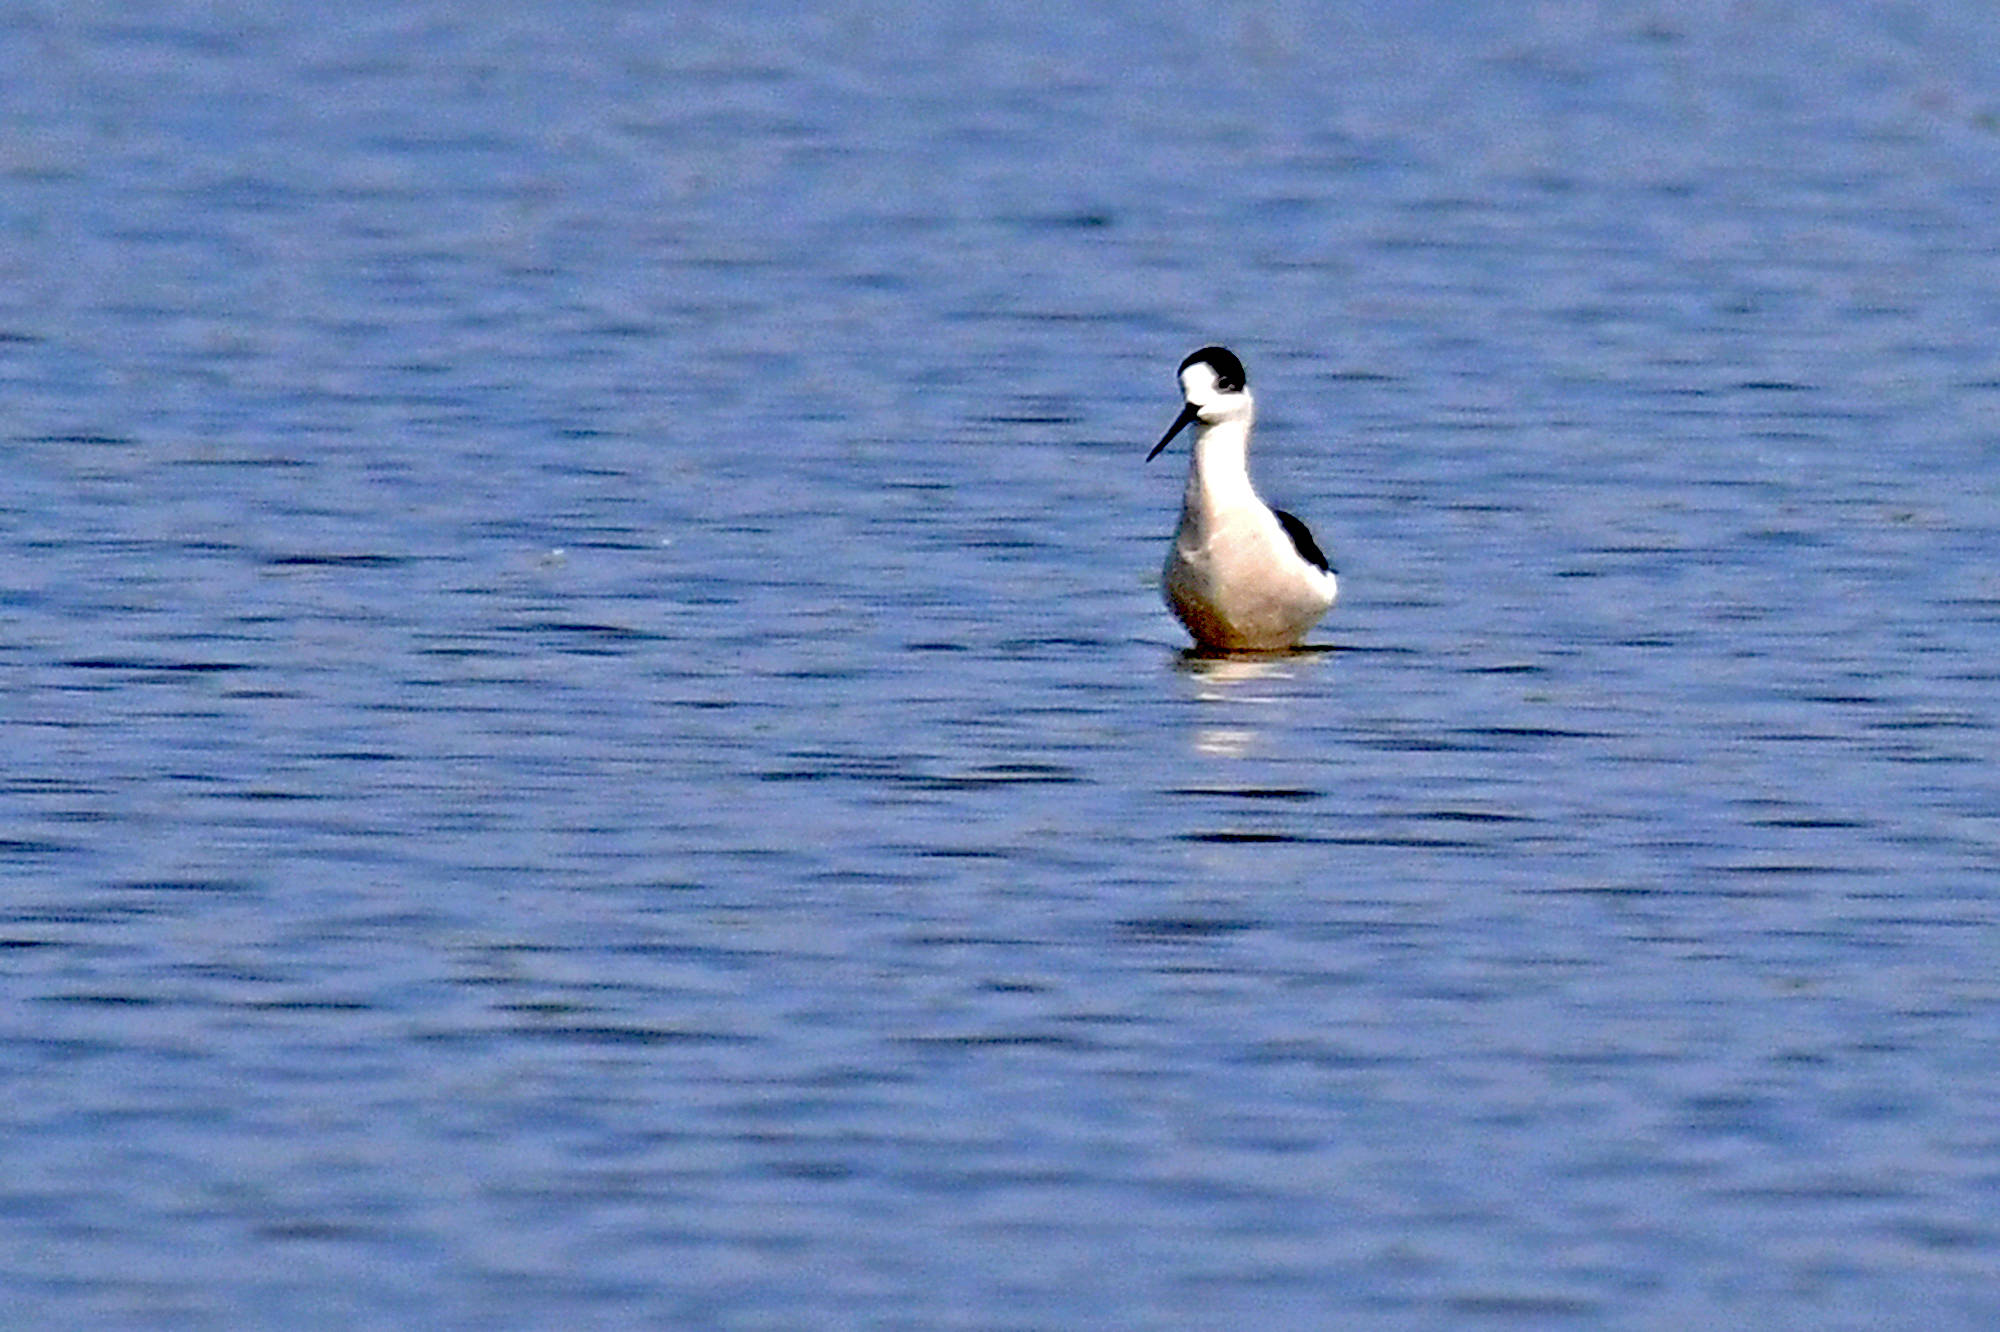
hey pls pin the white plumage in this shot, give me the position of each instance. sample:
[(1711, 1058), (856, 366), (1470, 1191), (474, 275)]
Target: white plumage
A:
[(1241, 575)]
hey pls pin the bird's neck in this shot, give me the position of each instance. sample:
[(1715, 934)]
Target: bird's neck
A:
[(1219, 475)]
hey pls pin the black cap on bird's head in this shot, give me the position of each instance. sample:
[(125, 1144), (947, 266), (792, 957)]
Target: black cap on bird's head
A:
[(1228, 370), (1206, 376)]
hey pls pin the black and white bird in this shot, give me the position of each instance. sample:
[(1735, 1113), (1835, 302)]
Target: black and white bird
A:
[(1242, 576)]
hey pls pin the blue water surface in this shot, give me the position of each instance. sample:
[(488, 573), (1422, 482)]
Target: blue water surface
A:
[(590, 738)]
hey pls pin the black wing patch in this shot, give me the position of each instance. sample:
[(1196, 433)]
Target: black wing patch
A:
[(1302, 541)]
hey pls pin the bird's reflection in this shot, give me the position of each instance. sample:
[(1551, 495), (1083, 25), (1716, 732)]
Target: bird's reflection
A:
[(1226, 677), (1226, 668)]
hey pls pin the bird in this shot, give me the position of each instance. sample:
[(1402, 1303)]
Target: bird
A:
[(1240, 575)]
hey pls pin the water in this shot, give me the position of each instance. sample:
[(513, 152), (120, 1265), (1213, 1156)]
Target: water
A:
[(591, 740)]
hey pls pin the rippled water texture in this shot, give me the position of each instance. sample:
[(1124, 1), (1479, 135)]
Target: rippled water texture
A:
[(590, 737)]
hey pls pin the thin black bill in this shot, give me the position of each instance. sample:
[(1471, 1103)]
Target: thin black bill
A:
[(1181, 422)]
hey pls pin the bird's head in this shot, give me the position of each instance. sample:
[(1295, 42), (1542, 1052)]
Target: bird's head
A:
[(1215, 390)]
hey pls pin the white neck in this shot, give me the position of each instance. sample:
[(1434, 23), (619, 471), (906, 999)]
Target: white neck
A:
[(1219, 471)]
